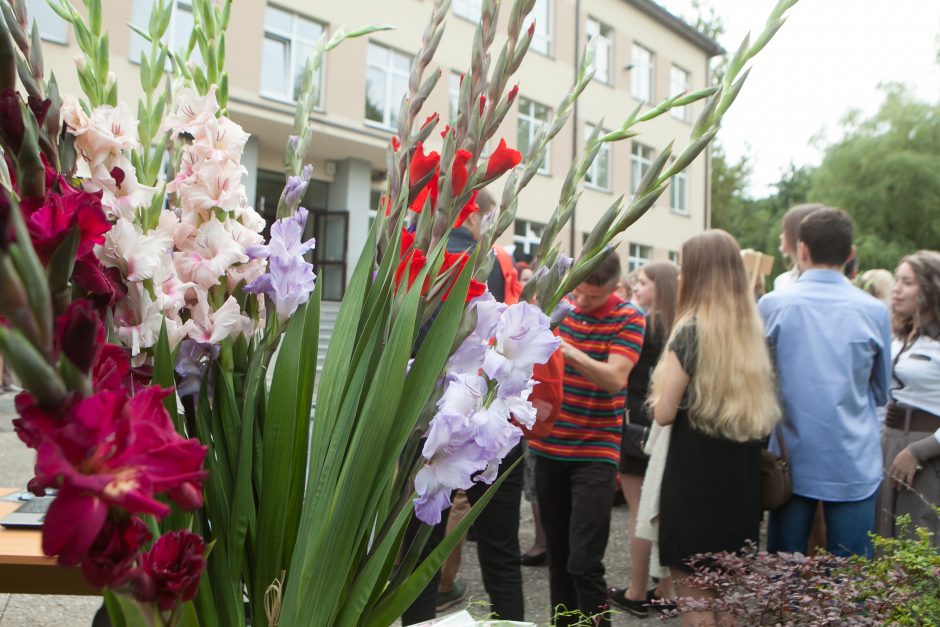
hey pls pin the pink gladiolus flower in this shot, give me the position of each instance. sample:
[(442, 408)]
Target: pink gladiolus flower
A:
[(110, 451)]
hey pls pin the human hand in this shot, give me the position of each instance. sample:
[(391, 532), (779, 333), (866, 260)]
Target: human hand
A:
[(903, 469)]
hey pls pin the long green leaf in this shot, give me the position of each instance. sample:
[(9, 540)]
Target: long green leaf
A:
[(397, 601), (163, 375)]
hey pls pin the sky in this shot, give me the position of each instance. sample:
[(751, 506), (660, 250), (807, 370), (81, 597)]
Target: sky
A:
[(828, 58)]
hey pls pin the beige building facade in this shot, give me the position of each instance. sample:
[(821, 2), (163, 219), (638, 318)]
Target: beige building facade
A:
[(645, 54)]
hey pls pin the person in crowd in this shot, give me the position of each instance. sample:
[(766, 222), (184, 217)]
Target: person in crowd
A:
[(525, 272), (911, 439), (879, 283), (577, 462), (497, 527), (832, 347), (789, 235), (624, 289), (656, 292), (714, 385)]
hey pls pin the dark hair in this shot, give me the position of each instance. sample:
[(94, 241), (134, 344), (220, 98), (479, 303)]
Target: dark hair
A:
[(792, 219), (665, 276), (926, 267), (607, 272), (827, 233)]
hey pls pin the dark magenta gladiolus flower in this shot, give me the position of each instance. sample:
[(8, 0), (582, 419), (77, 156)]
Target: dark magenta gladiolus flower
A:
[(170, 572), (111, 559)]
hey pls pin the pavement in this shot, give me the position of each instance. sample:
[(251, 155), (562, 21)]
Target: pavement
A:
[(20, 610)]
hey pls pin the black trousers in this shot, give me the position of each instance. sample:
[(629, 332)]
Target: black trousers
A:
[(497, 536), (575, 499)]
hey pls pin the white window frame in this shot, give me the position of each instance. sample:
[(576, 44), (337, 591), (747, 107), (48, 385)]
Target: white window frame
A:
[(52, 28), (292, 39), (139, 44), (678, 83), (679, 194), (642, 73), (641, 158), (453, 93), (532, 236), (390, 70), (527, 115), (470, 10), (639, 256), (590, 177), (604, 50), (543, 14)]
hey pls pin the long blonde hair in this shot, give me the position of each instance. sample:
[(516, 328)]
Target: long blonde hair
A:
[(732, 393)]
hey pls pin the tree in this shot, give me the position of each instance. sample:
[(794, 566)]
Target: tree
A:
[(885, 172)]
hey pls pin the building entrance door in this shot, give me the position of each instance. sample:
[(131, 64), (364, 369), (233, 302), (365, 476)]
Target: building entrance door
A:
[(331, 230)]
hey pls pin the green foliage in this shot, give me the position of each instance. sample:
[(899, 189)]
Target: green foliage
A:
[(886, 173)]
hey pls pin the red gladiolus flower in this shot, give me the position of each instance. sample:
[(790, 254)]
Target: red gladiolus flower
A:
[(169, 573), (477, 289), (458, 173), (422, 164), (110, 560), (39, 108), (468, 208), (446, 130), (49, 224), (80, 334), (111, 451), (429, 191), (396, 143), (502, 159), (411, 264), (11, 119)]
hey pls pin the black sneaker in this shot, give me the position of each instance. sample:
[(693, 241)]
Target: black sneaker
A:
[(618, 598), (659, 604)]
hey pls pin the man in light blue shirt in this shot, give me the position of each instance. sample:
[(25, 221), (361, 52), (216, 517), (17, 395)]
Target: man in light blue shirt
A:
[(832, 347)]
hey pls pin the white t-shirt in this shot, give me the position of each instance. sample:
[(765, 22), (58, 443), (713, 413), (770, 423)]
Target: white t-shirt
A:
[(916, 381)]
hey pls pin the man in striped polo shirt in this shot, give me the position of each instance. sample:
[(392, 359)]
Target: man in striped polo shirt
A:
[(577, 462)]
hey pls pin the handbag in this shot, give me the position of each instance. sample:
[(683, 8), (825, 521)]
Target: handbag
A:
[(776, 482), (634, 438)]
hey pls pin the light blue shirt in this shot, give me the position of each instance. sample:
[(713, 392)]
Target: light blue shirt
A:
[(832, 346)]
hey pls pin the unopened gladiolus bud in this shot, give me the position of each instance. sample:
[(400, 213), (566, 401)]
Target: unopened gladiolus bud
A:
[(80, 334), (293, 142), (110, 80), (513, 93), (532, 28), (80, 62), (482, 103)]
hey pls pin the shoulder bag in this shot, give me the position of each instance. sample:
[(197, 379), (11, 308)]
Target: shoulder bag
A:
[(776, 482)]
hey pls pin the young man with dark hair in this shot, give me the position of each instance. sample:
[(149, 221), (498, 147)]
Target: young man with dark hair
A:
[(832, 346), (577, 462)]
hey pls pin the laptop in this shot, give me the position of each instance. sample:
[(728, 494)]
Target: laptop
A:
[(30, 514)]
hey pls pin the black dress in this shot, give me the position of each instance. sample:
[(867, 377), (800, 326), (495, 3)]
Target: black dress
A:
[(632, 460), (710, 495)]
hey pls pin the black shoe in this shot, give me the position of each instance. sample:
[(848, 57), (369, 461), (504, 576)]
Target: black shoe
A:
[(618, 598), (533, 559), (659, 604)]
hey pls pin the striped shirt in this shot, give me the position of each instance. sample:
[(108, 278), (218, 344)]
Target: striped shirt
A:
[(588, 427)]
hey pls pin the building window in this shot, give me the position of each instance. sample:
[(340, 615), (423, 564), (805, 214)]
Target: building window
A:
[(678, 83), (639, 257), (598, 175), (603, 55), (542, 38), (51, 27), (177, 34), (679, 193), (453, 90), (469, 9), (526, 236), (641, 158), (641, 74), (532, 116), (289, 40), (674, 256), (386, 84)]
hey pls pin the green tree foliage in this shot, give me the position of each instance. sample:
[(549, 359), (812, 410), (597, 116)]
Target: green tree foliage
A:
[(885, 171)]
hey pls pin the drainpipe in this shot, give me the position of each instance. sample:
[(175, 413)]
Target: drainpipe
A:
[(708, 160), (574, 117)]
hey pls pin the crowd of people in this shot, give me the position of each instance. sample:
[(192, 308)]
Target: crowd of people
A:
[(675, 382)]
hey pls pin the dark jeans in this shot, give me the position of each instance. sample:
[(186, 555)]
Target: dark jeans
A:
[(575, 499), (497, 536), (847, 526)]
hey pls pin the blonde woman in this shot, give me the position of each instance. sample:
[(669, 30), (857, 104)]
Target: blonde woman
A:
[(715, 386)]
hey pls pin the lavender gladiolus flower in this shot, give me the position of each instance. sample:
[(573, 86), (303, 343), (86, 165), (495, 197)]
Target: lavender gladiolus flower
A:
[(564, 264), (523, 339), (562, 309), (192, 363), (290, 278)]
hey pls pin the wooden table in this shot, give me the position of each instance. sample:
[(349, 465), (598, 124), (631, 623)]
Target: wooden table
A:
[(23, 567)]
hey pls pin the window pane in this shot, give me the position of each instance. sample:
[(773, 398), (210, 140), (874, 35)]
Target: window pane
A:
[(377, 55), (302, 52), (51, 26), (182, 28), (399, 89), (332, 246), (375, 95), (331, 278), (523, 136), (308, 29), (454, 93), (276, 19), (602, 166), (541, 13), (401, 62), (274, 64)]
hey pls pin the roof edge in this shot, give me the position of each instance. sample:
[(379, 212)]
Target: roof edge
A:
[(678, 26)]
